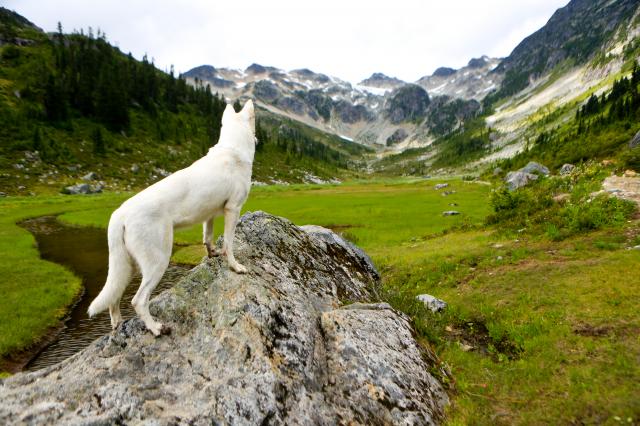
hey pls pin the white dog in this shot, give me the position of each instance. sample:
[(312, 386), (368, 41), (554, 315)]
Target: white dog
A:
[(141, 230)]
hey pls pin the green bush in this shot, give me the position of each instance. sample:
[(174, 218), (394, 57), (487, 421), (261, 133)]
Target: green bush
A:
[(596, 213), (533, 208), (630, 159)]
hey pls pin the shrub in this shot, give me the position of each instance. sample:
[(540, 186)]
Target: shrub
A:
[(630, 159), (534, 208)]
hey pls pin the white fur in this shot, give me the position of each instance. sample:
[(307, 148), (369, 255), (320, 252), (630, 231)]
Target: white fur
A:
[(141, 229)]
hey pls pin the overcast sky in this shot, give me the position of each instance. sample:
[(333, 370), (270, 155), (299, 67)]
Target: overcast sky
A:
[(347, 39)]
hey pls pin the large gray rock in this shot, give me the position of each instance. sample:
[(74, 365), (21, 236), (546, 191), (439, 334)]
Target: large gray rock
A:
[(82, 188), (518, 179), (279, 345), (533, 167)]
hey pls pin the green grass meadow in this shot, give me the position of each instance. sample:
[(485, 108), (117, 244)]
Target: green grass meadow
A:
[(536, 332)]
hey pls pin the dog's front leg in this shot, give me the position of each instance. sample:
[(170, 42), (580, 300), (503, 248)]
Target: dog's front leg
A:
[(207, 238), (230, 220)]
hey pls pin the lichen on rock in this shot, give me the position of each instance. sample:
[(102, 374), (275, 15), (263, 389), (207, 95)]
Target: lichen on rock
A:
[(296, 340)]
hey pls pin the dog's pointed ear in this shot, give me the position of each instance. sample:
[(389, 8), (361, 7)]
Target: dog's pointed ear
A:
[(228, 113), (249, 113)]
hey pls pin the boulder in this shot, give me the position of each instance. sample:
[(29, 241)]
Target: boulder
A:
[(450, 213), (83, 188), (635, 141), (625, 188), (441, 186), (497, 171), (566, 169), (432, 303), (533, 167), (518, 179), (296, 340)]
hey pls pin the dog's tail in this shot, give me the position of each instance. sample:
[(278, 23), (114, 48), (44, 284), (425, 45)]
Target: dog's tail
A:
[(120, 267)]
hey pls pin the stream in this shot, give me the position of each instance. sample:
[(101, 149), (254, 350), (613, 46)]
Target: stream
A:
[(84, 251)]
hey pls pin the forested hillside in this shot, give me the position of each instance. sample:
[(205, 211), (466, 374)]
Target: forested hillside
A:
[(602, 128), (73, 103)]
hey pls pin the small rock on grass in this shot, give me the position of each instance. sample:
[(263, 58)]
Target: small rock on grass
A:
[(450, 213), (90, 176), (566, 169), (432, 303), (442, 185)]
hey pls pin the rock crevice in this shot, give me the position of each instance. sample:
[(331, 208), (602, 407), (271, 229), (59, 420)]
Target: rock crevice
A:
[(296, 340)]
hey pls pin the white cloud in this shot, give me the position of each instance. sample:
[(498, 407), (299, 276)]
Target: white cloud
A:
[(348, 39)]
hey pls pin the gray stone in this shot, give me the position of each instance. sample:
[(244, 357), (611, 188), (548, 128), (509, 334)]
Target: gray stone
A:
[(432, 303), (450, 213), (566, 169), (135, 168), (90, 176), (3, 194), (519, 179), (441, 185), (533, 167), (161, 172), (497, 171), (635, 141), (282, 344), (82, 188)]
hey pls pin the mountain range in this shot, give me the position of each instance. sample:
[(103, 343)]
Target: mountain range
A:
[(582, 46)]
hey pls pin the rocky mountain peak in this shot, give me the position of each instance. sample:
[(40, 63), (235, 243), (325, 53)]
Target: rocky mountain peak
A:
[(478, 62), (444, 72), (574, 33), (255, 69), (382, 81), (408, 103), (474, 81)]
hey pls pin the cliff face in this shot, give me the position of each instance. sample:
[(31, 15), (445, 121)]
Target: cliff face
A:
[(279, 344)]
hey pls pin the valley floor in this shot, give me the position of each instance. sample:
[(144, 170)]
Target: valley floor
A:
[(536, 332)]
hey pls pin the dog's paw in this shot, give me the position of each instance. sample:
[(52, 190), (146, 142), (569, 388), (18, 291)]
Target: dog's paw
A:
[(211, 251), (156, 328), (238, 268), (116, 323)]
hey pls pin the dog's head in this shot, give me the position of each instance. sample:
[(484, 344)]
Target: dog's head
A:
[(245, 119)]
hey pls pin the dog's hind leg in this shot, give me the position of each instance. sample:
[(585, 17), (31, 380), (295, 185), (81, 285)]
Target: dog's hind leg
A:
[(207, 238), (114, 313), (153, 258), (231, 215)]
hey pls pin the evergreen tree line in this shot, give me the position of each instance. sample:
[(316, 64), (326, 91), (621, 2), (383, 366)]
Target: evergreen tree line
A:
[(622, 103), (295, 143), (91, 78)]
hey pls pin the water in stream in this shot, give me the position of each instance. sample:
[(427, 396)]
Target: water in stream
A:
[(84, 251)]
